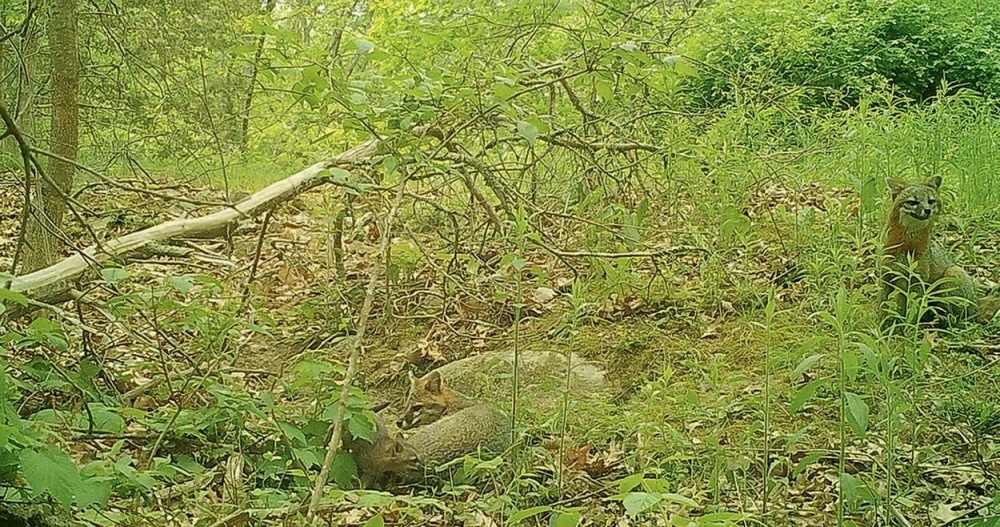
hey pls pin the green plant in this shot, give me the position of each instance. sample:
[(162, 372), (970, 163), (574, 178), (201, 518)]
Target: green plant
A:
[(25, 452), (642, 496), (823, 53)]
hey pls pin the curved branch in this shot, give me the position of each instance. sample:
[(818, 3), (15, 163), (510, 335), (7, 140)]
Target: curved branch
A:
[(263, 200)]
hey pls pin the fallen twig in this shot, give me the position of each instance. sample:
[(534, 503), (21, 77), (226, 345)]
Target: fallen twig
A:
[(646, 254), (352, 364)]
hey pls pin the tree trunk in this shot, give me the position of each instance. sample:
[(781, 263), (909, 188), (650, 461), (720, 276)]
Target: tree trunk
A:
[(25, 117), (248, 100), (19, 59), (43, 231)]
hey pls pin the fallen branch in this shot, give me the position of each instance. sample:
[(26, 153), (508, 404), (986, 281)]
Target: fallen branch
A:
[(53, 280), (648, 254), (598, 145)]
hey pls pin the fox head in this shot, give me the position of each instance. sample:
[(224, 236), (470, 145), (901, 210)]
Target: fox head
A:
[(915, 205), (400, 456), (427, 401)]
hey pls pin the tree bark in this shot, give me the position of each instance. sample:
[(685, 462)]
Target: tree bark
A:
[(21, 52), (248, 100), (42, 240)]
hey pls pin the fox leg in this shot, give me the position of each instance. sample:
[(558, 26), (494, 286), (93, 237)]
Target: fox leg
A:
[(892, 300)]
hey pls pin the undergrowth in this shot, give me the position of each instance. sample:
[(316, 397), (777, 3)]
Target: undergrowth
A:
[(720, 260), (754, 364)]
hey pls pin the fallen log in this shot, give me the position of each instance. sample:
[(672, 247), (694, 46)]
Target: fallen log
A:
[(53, 281)]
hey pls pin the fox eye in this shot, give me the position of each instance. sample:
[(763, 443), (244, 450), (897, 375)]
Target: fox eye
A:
[(912, 202), (931, 201), (417, 407)]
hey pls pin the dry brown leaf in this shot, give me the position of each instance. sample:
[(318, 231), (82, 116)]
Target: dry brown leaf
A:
[(945, 512), (543, 295)]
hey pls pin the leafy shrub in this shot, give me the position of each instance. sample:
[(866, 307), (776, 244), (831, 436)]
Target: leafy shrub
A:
[(839, 51)]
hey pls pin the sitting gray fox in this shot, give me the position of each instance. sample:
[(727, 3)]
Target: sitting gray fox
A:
[(910, 238)]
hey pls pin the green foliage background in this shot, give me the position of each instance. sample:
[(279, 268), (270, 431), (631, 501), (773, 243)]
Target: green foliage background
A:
[(759, 133)]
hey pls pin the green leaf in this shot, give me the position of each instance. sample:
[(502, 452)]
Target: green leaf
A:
[(375, 521), (639, 502), (17, 298), (850, 360), (828, 319), (805, 364), (189, 465), (180, 283), (850, 486), (429, 37), (50, 471), (362, 425), (770, 307), (375, 500), (339, 175), (867, 353), (542, 126), (342, 469), (682, 500), (604, 89), (565, 519), (528, 513), (92, 493), (294, 434), (735, 223), (50, 416), (390, 164), (805, 393), (810, 344), (363, 46), (857, 413), (681, 65), (504, 91), (527, 131), (246, 49), (805, 462), (628, 483), (307, 456), (104, 420), (113, 275), (657, 485)]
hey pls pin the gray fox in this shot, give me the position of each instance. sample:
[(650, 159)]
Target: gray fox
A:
[(910, 237), (482, 427), (389, 455), (460, 384), (386, 454)]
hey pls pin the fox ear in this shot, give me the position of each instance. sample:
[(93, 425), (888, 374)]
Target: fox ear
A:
[(433, 382), (895, 186), (934, 182)]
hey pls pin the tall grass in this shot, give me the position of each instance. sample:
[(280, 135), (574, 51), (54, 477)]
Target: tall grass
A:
[(858, 149), (954, 136)]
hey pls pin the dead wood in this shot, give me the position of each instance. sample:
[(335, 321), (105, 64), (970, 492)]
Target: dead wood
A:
[(54, 281)]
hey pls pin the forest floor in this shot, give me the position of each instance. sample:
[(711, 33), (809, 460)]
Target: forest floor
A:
[(709, 381)]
